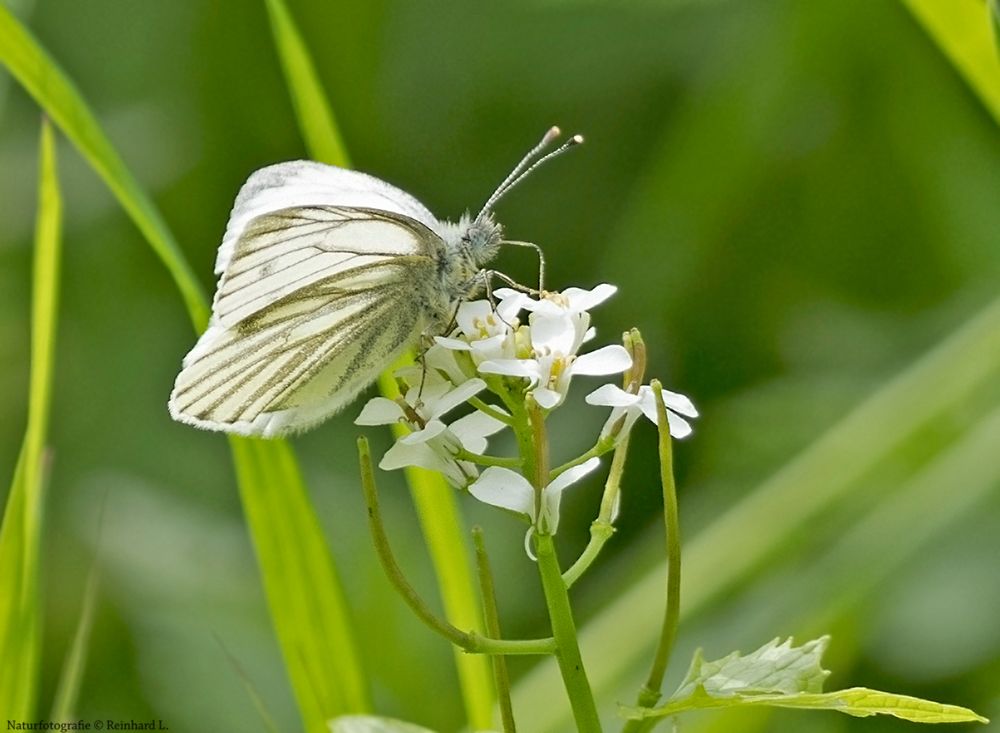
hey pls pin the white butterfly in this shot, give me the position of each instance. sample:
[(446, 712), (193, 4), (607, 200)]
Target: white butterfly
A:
[(325, 276)]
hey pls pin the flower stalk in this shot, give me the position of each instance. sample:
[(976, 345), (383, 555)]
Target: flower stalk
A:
[(470, 641)]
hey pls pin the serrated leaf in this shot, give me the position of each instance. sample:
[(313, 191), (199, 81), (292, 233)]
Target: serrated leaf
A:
[(775, 667), (373, 724), (857, 701), (786, 676)]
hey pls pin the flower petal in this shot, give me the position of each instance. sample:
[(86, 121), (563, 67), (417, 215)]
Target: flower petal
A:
[(679, 427), (552, 334), (506, 489), (606, 360), (547, 398), (574, 474), (611, 395), (433, 429), (473, 429), (379, 411), (583, 300), (510, 304), (679, 403), (552, 496), (453, 344), (470, 316), (527, 368), (401, 455), (453, 398)]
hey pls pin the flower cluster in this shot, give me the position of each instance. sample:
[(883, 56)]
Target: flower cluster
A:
[(500, 365)]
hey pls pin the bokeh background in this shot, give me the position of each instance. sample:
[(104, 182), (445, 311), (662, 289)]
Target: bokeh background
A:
[(798, 202)]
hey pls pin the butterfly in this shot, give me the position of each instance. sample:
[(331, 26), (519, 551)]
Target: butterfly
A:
[(326, 275)]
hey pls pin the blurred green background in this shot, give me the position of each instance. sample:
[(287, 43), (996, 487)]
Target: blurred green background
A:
[(797, 200)]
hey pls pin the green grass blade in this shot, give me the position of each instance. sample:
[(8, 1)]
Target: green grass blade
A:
[(824, 473), (303, 591), (962, 29), (39, 74), (20, 534), (71, 679), (324, 669), (313, 111), (435, 502)]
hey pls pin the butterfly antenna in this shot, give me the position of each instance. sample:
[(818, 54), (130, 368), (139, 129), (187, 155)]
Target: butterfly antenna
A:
[(526, 166)]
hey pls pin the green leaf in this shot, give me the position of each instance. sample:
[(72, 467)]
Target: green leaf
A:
[(304, 595), (782, 675), (373, 724), (962, 29), (20, 533), (435, 502), (775, 667)]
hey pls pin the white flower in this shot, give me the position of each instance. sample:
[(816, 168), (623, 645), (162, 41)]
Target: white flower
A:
[(436, 452), (432, 444), (569, 302), (554, 342), (643, 403), (507, 489), (485, 332)]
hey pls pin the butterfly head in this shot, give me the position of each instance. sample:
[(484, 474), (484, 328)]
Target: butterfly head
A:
[(482, 237)]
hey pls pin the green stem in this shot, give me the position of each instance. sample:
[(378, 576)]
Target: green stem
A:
[(602, 528), (470, 641), (602, 446), (490, 410), (483, 460), (491, 617), (571, 667), (650, 692), (533, 442)]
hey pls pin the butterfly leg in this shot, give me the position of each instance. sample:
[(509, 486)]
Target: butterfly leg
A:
[(541, 260)]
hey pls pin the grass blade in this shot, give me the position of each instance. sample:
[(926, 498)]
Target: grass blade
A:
[(963, 30), (71, 679), (299, 576), (312, 109), (39, 74), (435, 502), (20, 535), (824, 473), (303, 590)]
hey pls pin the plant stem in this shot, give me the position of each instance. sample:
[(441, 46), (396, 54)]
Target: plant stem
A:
[(602, 446), (483, 460), (574, 675), (470, 641), (490, 410), (533, 442), (491, 617), (602, 528), (650, 692)]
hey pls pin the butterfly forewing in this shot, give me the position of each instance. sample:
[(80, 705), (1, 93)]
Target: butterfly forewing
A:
[(286, 251), (313, 303)]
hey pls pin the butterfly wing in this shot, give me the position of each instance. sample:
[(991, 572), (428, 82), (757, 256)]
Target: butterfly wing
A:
[(314, 302), (303, 183)]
